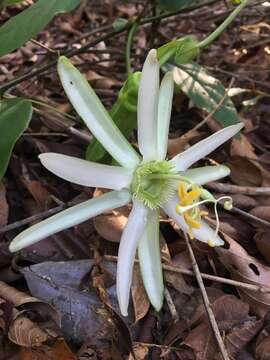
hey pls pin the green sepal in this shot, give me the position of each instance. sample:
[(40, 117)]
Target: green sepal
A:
[(181, 51)]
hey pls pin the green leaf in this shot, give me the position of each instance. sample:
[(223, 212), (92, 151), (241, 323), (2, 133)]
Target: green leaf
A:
[(206, 92), (26, 25), (124, 115), (15, 115)]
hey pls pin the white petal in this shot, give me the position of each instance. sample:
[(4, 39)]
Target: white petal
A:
[(204, 147), (204, 234), (203, 175), (70, 217), (87, 173), (150, 261), (132, 233), (147, 107), (164, 114), (91, 110)]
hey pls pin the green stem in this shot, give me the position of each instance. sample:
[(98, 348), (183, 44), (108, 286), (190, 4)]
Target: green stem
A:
[(223, 26), (131, 33)]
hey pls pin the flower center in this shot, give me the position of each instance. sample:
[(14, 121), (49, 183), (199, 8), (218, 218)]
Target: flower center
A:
[(153, 183), (190, 196)]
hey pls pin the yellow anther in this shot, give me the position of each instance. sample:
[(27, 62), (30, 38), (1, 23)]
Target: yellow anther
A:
[(203, 213), (211, 243), (192, 223), (182, 190)]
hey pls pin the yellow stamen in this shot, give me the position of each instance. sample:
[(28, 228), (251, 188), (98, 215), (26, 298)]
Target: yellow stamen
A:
[(182, 190), (193, 223)]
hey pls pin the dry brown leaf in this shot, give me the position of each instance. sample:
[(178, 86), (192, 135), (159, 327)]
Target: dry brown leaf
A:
[(262, 239), (242, 147), (110, 224), (177, 145), (39, 192), (59, 351), (263, 349), (244, 172), (25, 332), (233, 320), (141, 303), (246, 268), (262, 212), (241, 335), (140, 351)]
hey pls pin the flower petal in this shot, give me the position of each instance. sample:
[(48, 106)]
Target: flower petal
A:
[(204, 233), (164, 114), (132, 233), (205, 174), (147, 107), (204, 147), (70, 217), (86, 173), (91, 110), (150, 261)]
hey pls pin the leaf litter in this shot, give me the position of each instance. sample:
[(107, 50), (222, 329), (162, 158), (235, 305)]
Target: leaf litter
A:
[(61, 281)]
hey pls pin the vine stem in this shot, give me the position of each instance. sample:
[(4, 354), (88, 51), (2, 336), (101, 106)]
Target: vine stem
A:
[(112, 33)]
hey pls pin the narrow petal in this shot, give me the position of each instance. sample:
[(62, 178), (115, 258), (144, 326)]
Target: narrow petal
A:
[(147, 107), (70, 217), (132, 233), (203, 175), (91, 110), (204, 233), (204, 147), (150, 261), (87, 173), (164, 114)]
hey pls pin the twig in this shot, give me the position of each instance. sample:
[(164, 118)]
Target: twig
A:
[(35, 217), (72, 52), (206, 302), (219, 279), (171, 305), (204, 121), (236, 189), (250, 216)]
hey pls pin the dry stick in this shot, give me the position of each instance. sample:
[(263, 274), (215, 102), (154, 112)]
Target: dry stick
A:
[(72, 52), (250, 216), (251, 287), (217, 107), (206, 302), (35, 217), (171, 305), (236, 189)]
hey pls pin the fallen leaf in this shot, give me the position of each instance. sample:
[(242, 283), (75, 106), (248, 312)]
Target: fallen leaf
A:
[(246, 268), (244, 172), (58, 351), (140, 300)]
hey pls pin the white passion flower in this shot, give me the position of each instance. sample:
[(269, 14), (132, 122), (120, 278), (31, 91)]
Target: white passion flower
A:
[(149, 181)]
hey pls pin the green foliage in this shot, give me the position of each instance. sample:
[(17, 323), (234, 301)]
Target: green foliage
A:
[(26, 25), (173, 5), (206, 92), (181, 51), (15, 115), (124, 115)]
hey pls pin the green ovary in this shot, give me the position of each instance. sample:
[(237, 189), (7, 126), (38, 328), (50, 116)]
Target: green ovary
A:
[(153, 183)]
